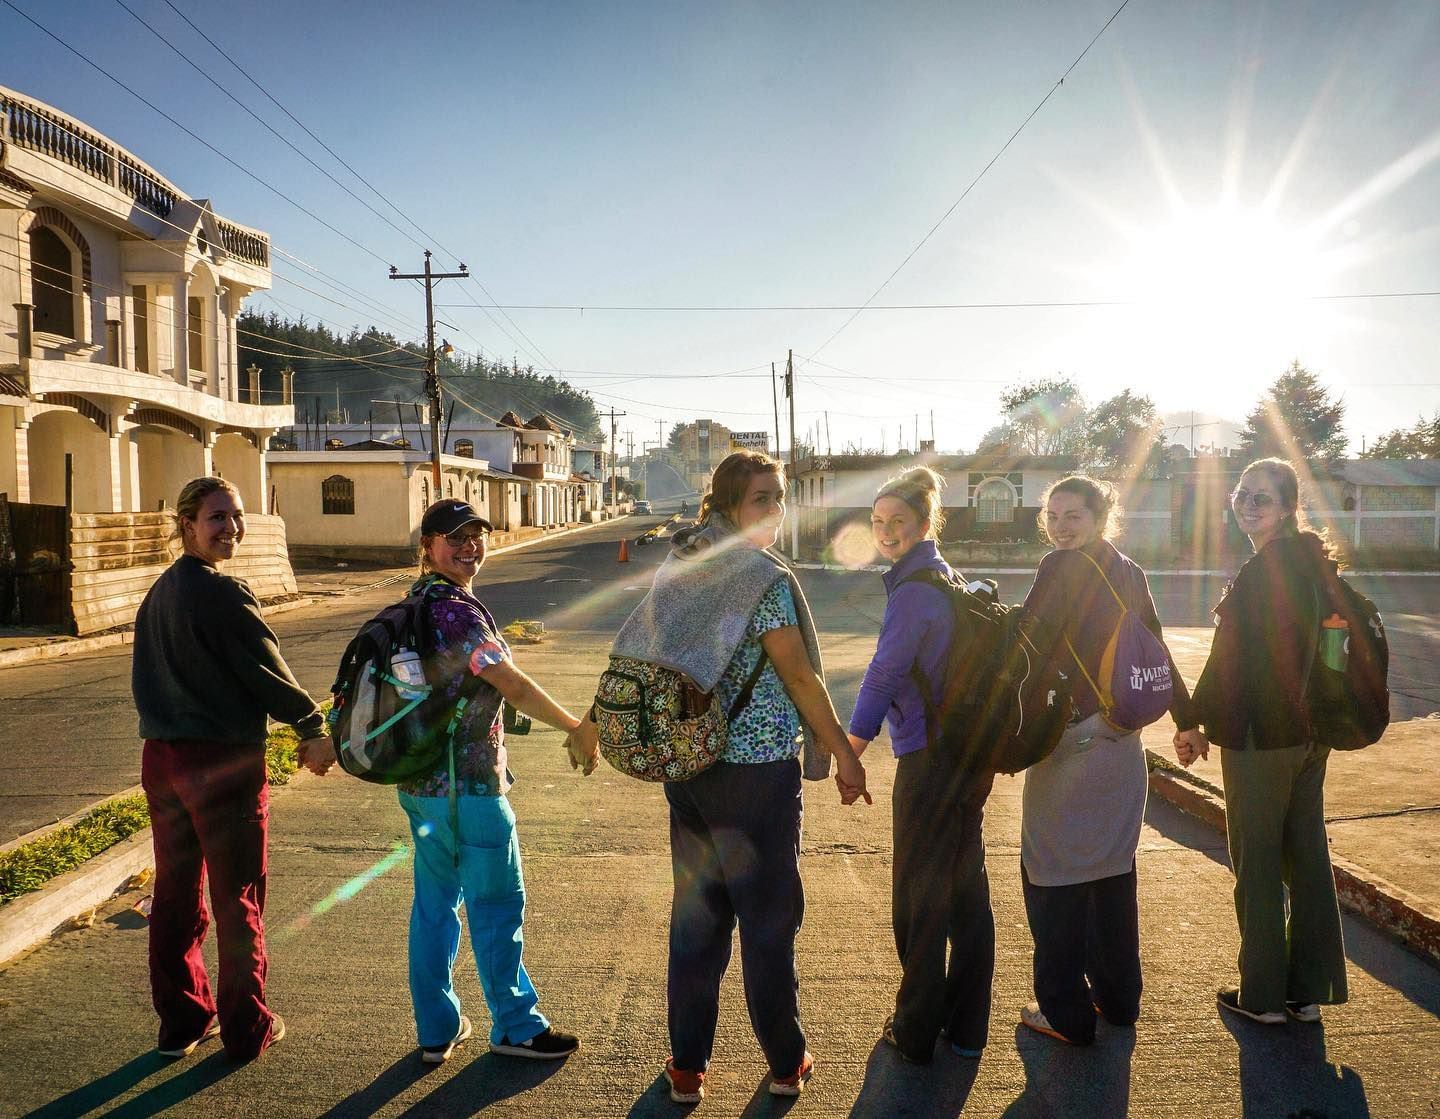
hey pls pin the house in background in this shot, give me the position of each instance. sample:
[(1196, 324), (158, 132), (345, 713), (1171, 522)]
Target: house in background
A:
[(118, 350), (119, 379)]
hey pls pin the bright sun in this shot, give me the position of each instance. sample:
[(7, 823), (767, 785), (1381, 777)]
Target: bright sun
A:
[(1223, 294)]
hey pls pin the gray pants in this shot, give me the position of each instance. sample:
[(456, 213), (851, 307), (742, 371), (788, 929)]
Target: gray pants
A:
[(1275, 819)]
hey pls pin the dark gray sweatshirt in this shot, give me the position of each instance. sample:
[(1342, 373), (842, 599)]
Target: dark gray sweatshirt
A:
[(206, 666)]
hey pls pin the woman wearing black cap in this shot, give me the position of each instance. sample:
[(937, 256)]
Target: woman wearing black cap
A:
[(478, 861)]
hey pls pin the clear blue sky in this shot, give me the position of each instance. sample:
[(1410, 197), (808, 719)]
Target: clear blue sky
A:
[(1205, 165)]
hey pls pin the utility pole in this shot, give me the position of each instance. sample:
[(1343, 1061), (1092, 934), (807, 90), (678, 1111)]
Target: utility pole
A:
[(614, 500), (794, 467), (432, 373), (828, 449), (775, 399)]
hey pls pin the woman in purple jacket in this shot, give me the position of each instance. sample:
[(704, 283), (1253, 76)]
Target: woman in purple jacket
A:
[(939, 889)]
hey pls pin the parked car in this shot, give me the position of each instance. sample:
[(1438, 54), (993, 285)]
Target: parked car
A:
[(642, 507)]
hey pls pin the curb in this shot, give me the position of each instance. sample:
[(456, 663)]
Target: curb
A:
[(1411, 920), (14, 658), (34, 917)]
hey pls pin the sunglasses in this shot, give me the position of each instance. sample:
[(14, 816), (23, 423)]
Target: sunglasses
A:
[(1254, 500), (460, 539)]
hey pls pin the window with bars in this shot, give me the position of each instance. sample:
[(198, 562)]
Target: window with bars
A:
[(337, 495), (994, 502)]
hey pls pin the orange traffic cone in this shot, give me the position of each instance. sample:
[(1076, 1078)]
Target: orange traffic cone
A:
[(624, 551)]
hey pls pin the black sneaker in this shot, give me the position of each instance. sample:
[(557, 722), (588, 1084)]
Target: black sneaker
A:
[(439, 1054), (1228, 998), (548, 1045)]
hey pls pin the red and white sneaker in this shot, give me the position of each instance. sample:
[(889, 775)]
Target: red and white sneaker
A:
[(794, 1084), (685, 1086)]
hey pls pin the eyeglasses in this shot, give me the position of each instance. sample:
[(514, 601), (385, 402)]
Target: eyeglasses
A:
[(1254, 500), (460, 539)]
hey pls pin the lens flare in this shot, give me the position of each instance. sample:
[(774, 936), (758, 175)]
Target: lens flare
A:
[(853, 546), (346, 891)]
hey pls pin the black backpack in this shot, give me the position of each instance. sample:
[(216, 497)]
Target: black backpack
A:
[(1350, 705), (1005, 699), (388, 724)]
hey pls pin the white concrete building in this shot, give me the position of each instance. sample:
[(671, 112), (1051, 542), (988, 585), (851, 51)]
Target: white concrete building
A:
[(118, 303)]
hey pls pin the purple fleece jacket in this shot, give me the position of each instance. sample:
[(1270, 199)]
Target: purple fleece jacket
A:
[(917, 624)]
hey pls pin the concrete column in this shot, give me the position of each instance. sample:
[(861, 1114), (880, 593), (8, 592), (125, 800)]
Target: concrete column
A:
[(180, 332), (22, 461), (207, 454)]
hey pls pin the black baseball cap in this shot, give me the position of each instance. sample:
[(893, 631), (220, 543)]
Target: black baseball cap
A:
[(451, 515)]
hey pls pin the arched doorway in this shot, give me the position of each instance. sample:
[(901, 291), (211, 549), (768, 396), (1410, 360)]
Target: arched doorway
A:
[(236, 459), (51, 436)]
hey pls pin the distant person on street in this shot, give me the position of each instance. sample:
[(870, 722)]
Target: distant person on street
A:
[(940, 894), (1251, 698), (206, 671), (466, 846), (719, 600), (1083, 805)]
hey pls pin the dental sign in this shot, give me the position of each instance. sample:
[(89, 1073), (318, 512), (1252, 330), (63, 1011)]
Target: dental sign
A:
[(749, 440)]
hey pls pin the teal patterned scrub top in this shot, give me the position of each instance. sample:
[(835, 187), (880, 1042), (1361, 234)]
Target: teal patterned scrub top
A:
[(768, 729)]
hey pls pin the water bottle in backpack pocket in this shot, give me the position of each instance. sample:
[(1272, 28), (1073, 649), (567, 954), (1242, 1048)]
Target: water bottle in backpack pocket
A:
[(1348, 697)]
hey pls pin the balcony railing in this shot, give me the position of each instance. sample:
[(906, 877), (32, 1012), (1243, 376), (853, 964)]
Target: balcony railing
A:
[(30, 126), (249, 246), (137, 181)]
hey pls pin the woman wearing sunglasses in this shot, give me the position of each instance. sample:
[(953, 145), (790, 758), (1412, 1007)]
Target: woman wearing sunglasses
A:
[(1251, 698)]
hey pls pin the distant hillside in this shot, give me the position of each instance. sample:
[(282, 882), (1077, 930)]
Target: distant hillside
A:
[(351, 374)]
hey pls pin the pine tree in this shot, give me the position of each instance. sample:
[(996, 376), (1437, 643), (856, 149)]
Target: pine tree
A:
[(1296, 419)]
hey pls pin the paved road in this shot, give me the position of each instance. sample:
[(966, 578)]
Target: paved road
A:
[(77, 1026)]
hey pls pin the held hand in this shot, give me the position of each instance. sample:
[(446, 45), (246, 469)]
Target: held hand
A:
[(850, 780), (583, 746), (1190, 745), (317, 755)]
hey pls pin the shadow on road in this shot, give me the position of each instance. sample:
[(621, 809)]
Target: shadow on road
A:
[(1283, 1071), (486, 1080), (893, 1088), (194, 1078), (1065, 1079), (380, 1091)]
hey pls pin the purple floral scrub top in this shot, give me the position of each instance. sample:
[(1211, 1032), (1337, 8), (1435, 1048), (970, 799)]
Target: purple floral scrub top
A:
[(466, 640)]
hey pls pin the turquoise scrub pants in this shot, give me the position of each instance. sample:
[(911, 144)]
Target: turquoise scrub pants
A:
[(489, 882)]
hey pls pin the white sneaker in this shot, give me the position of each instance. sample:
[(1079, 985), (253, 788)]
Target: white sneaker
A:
[(1228, 998)]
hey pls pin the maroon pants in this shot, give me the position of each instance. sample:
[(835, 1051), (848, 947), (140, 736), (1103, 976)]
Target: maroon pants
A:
[(208, 811)]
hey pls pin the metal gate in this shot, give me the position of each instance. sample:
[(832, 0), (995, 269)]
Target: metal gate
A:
[(35, 565)]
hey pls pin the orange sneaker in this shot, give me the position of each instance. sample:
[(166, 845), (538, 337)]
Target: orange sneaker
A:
[(685, 1086), (795, 1084)]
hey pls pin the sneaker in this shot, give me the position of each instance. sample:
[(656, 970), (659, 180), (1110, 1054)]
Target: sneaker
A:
[(1032, 1016), (685, 1086), (968, 1054), (887, 1035), (212, 1030), (548, 1045), (794, 1084), (439, 1054), (1303, 1011), (1229, 999), (277, 1031)]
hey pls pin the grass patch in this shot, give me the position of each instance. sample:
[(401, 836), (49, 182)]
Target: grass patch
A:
[(1155, 761), (33, 864), (30, 866)]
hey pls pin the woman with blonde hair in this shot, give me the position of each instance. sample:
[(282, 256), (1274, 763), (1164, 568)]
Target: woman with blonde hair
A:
[(940, 894), (1252, 700), (1083, 805), (206, 672), (722, 607)]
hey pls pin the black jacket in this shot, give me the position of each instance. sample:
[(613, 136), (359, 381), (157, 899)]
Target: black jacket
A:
[(1267, 626), (206, 666)]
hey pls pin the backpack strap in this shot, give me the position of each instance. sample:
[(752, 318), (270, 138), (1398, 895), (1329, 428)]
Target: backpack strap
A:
[(742, 700), (923, 683), (1124, 609)]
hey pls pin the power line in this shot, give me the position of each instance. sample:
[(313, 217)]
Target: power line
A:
[(973, 182)]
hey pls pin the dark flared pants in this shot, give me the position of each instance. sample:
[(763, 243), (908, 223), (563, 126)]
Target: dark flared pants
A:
[(735, 853), (1087, 952), (940, 896), (209, 809)]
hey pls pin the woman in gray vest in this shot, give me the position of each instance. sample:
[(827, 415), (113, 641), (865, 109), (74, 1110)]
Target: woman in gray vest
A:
[(720, 599)]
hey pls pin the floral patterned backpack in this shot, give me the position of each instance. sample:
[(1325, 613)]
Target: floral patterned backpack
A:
[(656, 725)]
